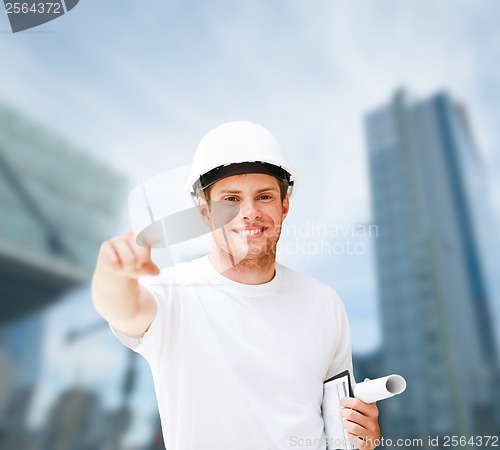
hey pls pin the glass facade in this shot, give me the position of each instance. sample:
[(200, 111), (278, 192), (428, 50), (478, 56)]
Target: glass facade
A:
[(48, 184), (436, 329), (58, 204)]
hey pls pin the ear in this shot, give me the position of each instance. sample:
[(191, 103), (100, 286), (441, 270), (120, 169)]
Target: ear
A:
[(285, 207), (203, 209)]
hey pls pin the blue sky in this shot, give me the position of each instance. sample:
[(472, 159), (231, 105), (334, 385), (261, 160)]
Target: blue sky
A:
[(138, 84)]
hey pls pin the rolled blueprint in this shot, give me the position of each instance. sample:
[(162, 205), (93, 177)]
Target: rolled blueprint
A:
[(380, 388)]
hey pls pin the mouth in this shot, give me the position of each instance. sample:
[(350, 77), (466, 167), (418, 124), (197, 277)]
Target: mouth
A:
[(253, 232)]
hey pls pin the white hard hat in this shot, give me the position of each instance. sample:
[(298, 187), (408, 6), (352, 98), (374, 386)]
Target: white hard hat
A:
[(236, 148)]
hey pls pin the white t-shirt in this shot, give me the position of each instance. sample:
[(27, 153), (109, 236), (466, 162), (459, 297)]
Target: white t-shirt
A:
[(239, 366)]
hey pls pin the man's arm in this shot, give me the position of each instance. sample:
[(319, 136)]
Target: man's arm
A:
[(117, 295)]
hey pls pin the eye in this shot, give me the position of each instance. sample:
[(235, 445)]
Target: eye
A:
[(230, 199), (266, 197)]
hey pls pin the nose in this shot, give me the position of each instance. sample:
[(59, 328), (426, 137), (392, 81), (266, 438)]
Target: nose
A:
[(249, 210)]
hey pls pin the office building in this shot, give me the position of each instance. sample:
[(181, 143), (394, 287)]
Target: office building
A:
[(57, 205), (436, 323)]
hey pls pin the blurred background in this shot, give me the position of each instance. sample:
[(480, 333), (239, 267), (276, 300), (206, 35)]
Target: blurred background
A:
[(389, 110)]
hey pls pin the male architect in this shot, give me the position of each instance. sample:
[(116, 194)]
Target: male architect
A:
[(238, 344)]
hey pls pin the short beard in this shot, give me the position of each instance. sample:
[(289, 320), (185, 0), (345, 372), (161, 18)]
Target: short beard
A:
[(255, 262), (252, 261)]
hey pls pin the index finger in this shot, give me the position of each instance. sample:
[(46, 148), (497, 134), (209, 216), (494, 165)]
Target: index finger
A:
[(357, 404), (142, 253)]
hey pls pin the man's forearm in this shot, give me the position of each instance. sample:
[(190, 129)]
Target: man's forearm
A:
[(115, 296)]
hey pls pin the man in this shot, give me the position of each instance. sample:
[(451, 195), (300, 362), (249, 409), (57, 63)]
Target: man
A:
[(238, 345)]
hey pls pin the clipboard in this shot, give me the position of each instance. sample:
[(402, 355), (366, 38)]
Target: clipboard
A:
[(335, 388)]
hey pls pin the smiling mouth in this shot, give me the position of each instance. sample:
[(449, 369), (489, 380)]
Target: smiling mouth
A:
[(250, 232)]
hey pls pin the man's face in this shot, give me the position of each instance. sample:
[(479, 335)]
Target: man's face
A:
[(254, 232)]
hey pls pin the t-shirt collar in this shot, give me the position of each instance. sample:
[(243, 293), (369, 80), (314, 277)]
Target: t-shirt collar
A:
[(249, 290)]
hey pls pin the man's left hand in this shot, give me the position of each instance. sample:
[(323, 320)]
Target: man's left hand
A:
[(361, 422)]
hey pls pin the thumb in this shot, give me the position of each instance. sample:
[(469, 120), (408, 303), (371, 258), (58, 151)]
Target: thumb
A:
[(149, 268)]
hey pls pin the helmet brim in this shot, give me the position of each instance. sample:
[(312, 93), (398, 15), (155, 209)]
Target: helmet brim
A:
[(229, 170)]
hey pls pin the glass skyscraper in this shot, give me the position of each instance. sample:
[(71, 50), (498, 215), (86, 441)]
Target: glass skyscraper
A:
[(57, 204), (437, 329)]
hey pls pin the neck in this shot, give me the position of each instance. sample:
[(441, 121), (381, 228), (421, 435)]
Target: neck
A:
[(256, 270)]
